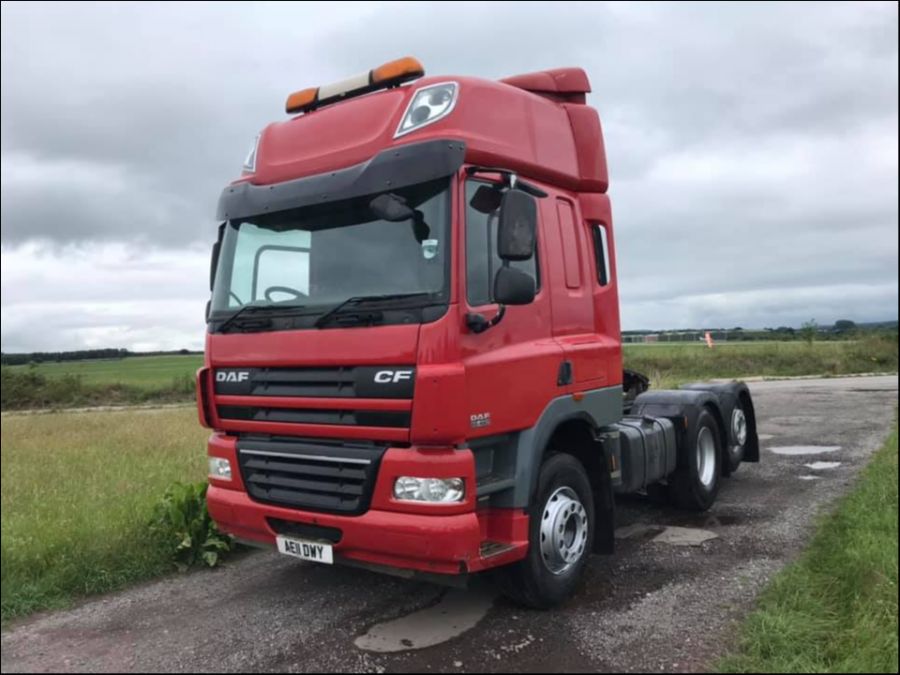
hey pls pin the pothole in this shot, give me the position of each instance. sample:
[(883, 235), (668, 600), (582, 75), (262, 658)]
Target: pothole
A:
[(804, 449), (820, 466), (457, 612), (684, 536), (637, 531)]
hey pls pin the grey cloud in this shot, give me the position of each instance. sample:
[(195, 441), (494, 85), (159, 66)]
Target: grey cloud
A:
[(752, 147)]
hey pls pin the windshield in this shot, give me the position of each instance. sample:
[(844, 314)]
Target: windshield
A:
[(320, 256)]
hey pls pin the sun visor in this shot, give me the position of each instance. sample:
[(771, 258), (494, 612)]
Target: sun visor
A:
[(392, 168)]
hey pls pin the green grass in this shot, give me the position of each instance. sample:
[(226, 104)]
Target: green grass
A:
[(149, 372), (97, 383), (672, 364), (835, 609), (78, 491)]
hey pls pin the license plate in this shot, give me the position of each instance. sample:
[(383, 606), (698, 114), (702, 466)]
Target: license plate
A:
[(314, 551)]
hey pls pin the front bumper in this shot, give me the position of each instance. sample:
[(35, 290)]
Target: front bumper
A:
[(430, 538)]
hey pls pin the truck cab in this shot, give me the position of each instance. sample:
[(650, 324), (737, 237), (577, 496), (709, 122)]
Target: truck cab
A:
[(413, 360)]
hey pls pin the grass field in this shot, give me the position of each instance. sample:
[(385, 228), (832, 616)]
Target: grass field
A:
[(835, 610), (78, 490), (668, 365), (149, 372)]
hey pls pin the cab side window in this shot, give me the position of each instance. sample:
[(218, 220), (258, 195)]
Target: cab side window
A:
[(482, 261)]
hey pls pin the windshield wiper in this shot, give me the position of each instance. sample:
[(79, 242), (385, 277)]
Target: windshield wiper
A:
[(273, 309), (364, 299)]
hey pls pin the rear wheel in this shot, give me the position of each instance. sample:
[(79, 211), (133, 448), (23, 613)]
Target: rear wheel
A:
[(561, 535), (695, 484), (737, 437)]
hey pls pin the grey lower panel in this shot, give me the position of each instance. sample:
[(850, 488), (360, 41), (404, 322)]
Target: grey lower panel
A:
[(515, 459)]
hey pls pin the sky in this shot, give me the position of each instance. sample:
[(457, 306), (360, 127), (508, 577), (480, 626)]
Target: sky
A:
[(753, 148)]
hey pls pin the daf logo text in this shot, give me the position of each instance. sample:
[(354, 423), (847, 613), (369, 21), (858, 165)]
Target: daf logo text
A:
[(232, 376), (388, 376)]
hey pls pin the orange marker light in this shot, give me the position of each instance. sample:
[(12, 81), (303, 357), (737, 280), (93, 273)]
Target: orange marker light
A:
[(301, 101), (400, 70)]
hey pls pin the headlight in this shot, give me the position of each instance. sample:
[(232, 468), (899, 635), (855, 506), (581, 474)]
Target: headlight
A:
[(250, 163), (428, 105), (433, 490), (220, 468)]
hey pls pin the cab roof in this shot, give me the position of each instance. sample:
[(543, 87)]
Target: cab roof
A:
[(535, 124)]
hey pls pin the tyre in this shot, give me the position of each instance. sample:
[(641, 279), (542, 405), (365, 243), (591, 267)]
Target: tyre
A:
[(561, 537), (695, 484), (738, 435)]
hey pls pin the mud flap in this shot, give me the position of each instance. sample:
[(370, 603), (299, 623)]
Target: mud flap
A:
[(604, 503)]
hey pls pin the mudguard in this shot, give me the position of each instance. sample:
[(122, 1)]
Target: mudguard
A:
[(729, 394)]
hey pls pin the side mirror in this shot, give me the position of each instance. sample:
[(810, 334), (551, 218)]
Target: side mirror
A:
[(518, 225), (391, 208), (513, 287)]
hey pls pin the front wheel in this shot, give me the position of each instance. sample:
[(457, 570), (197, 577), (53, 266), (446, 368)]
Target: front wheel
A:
[(561, 536)]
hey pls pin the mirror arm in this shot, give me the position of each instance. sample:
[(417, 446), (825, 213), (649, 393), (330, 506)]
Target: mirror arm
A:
[(510, 178), (478, 324)]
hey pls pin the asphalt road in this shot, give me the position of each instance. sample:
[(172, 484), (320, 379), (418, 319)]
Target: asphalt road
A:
[(653, 606)]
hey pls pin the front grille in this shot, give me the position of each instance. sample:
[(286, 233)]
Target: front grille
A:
[(318, 475)]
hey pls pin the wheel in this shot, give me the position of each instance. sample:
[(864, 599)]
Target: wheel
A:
[(560, 538), (738, 437), (694, 485)]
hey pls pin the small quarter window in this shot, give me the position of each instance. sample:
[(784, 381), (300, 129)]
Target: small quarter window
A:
[(601, 252)]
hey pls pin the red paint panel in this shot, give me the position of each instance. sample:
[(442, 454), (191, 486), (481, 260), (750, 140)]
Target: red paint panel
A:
[(389, 345)]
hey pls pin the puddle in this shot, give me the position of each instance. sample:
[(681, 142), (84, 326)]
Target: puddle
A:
[(457, 612), (684, 536), (819, 466), (804, 449), (810, 476)]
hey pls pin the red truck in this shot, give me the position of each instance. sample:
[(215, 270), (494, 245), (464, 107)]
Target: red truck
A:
[(413, 358)]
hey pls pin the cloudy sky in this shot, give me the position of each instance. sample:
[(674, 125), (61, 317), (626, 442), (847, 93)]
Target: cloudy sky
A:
[(752, 148)]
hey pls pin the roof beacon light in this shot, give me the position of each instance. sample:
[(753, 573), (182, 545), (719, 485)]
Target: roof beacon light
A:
[(388, 75)]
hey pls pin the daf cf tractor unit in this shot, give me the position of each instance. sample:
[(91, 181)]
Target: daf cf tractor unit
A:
[(413, 357)]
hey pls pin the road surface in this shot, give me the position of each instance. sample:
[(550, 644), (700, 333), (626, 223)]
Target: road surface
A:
[(655, 605)]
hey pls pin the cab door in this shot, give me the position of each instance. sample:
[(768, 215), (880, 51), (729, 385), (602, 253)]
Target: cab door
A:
[(511, 368)]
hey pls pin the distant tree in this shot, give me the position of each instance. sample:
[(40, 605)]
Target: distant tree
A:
[(844, 326), (808, 331)]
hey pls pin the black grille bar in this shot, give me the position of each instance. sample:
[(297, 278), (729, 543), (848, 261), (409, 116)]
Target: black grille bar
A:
[(338, 382), (375, 418)]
